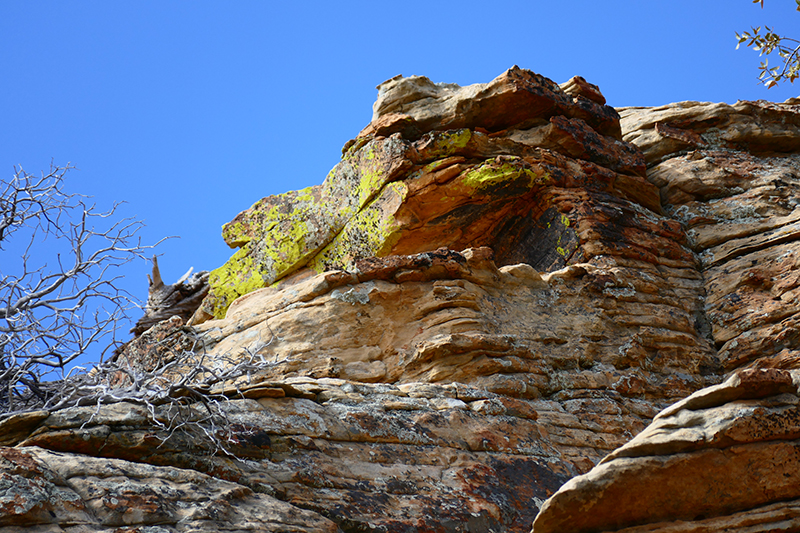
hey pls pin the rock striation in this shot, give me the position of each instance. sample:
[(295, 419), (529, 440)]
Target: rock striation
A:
[(458, 168), (723, 459), (729, 174), (495, 289)]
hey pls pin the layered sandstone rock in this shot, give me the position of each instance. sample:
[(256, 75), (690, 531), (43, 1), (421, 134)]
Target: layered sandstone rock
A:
[(723, 459), (731, 176), (487, 296), (44, 491), (481, 301), (491, 164)]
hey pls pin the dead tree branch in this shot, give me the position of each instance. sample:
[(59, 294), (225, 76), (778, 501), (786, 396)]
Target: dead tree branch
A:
[(58, 288)]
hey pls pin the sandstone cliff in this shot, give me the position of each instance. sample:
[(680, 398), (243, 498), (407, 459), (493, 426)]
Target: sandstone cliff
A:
[(497, 287), (724, 459)]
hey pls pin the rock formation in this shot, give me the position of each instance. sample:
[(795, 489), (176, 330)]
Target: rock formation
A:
[(724, 459), (496, 288)]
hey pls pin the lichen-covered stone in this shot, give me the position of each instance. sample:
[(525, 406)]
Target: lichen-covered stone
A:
[(398, 184), (280, 234)]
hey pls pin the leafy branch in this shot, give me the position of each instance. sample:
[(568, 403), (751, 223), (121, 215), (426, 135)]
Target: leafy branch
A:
[(767, 42)]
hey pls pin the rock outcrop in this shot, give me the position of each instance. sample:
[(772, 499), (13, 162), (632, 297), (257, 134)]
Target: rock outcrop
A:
[(496, 288), (724, 458), (478, 166), (49, 491)]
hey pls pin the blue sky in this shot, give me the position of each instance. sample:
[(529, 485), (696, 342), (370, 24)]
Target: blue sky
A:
[(192, 111)]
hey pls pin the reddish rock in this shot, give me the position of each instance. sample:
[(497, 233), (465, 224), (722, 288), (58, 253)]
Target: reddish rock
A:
[(439, 166), (726, 455), (725, 458)]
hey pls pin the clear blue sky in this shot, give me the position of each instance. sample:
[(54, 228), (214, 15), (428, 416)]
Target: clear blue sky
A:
[(192, 111)]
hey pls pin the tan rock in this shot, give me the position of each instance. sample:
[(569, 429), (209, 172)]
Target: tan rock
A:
[(47, 491), (736, 194), (759, 127), (517, 96), (723, 452), (724, 459), (442, 166), (489, 294)]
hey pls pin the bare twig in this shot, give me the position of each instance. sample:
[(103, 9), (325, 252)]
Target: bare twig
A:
[(52, 312)]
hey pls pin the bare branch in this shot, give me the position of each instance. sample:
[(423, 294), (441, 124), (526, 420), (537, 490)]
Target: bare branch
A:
[(52, 313)]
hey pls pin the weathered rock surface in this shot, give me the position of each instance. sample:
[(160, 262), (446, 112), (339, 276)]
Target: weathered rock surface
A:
[(486, 165), (735, 188), (44, 491), (489, 294), (723, 459)]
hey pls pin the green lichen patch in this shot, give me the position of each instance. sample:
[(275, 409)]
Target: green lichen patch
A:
[(280, 234), (363, 172), (261, 218), (277, 236), (238, 276), (371, 233), (511, 175), (353, 145), (441, 144)]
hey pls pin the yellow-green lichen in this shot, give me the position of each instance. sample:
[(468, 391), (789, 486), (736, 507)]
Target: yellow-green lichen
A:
[(566, 249), (354, 145), (356, 180), (372, 232), (236, 234), (285, 231), (491, 174), (279, 234), (262, 216), (447, 143), (238, 276)]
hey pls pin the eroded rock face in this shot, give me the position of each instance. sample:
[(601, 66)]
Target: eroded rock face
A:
[(481, 301), (511, 165), (488, 295), (731, 176), (723, 459), (48, 491)]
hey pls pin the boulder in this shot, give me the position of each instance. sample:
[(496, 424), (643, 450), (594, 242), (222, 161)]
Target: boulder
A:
[(723, 459)]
